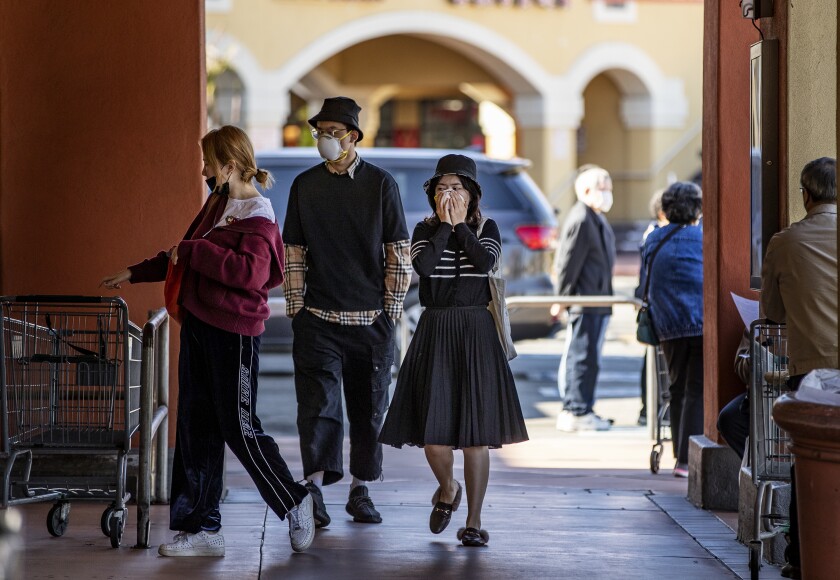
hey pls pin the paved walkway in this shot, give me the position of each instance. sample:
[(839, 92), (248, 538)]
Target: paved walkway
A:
[(558, 506)]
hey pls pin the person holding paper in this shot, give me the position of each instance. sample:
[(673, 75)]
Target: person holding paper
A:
[(799, 288)]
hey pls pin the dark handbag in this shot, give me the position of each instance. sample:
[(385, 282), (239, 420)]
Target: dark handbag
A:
[(645, 331)]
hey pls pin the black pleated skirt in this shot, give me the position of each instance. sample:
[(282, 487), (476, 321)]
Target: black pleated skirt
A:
[(455, 386)]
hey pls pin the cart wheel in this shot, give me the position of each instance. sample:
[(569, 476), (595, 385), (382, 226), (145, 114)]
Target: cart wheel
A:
[(655, 456), (117, 525), (755, 559), (58, 518), (105, 520)]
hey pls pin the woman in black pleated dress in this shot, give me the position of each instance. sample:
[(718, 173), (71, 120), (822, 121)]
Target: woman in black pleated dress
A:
[(455, 389)]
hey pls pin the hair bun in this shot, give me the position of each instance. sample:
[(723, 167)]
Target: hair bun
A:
[(264, 178)]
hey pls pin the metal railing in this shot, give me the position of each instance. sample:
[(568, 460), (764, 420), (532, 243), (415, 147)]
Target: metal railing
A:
[(153, 473), (518, 302), (537, 301)]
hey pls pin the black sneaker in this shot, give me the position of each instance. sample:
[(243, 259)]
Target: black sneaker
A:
[(360, 506), (322, 518)]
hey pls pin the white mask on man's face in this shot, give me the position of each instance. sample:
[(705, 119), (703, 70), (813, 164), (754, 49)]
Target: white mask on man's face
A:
[(606, 201), (329, 148)]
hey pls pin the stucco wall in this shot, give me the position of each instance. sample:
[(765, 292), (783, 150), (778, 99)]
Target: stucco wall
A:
[(812, 91), (524, 50), (101, 110)]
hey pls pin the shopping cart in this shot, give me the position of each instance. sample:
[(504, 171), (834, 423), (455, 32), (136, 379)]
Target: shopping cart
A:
[(69, 384), (769, 452), (662, 383)]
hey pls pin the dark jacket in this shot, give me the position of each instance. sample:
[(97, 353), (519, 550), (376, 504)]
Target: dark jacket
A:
[(229, 270), (586, 256)]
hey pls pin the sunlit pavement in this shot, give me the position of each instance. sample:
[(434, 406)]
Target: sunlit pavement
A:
[(558, 506)]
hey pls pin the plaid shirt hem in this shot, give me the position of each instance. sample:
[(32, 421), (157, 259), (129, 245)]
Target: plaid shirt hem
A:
[(356, 318)]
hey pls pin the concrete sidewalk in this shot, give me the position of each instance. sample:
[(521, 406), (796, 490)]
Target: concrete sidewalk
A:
[(558, 506)]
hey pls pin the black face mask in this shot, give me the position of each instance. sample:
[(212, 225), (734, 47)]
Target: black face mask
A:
[(211, 183)]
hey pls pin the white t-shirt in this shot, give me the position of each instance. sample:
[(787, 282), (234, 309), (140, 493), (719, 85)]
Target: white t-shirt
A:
[(240, 209)]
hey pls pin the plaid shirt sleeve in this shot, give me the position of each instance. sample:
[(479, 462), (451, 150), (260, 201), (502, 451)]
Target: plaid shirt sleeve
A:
[(397, 276), (295, 278)]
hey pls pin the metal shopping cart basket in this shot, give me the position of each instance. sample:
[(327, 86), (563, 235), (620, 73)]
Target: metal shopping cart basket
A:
[(769, 452), (69, 384), (658, 368)]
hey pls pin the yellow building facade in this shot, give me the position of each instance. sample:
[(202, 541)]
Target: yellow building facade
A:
[(560, 82)]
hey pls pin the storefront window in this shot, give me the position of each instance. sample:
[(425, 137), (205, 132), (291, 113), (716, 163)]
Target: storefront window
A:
[(430, 123)]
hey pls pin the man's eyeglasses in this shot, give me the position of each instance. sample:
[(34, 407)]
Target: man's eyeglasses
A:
[(802, 189), (334, 133)]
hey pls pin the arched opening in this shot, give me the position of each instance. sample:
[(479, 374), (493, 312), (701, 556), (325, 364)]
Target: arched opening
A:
[(226, 102), (430, 95), (609, 136)]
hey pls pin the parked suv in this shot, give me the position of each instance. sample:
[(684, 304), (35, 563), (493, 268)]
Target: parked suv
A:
[(526, 221)]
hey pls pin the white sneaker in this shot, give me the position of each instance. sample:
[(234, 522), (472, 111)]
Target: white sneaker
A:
[(200, 544), (569, 422), (302, 524)]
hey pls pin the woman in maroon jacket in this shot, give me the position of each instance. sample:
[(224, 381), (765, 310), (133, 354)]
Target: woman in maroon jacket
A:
[(230, 257)]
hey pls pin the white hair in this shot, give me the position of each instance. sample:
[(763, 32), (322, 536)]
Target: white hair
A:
[(588, 179)]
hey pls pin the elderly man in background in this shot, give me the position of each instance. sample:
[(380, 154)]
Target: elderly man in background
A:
[(584, 267), (799, 288)]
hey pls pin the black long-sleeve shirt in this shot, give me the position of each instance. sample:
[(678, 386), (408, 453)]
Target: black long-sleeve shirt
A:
[(453, 263)]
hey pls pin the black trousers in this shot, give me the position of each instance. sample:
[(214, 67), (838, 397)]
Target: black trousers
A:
[(578, 373), (328, 356), (734, 423), (217, 398), (684, 357)]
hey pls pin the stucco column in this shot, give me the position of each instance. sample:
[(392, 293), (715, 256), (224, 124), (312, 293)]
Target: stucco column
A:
[(547, 133)]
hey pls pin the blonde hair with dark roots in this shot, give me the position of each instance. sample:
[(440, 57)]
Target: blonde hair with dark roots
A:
[(229, 144)]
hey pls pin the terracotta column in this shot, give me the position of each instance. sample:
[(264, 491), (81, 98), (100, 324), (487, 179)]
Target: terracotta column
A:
[(102, 105)]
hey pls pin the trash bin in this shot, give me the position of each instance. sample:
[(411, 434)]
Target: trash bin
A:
[(812, 418)]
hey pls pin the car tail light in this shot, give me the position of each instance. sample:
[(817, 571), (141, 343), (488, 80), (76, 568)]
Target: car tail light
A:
[(537, 237)]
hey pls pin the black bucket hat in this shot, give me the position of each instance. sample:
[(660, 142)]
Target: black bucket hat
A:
[(454, 164), (341, 110)]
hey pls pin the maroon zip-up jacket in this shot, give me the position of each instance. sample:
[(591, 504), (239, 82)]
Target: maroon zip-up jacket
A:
[(228, 270)]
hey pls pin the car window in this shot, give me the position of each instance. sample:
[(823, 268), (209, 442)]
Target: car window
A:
[(499, 191)]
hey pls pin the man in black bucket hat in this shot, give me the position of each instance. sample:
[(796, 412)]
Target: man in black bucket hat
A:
[(340, 109), (347, 273)]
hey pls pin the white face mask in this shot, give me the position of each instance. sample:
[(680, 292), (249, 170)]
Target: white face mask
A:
[(606, 201), (329, 148)]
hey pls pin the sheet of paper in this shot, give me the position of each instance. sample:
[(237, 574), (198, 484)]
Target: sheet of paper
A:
[(748, 309)]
